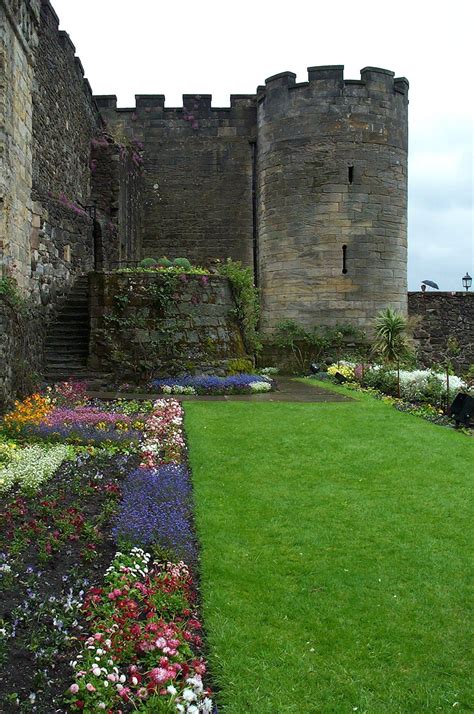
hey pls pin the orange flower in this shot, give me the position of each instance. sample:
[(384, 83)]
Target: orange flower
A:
[(31, 410)]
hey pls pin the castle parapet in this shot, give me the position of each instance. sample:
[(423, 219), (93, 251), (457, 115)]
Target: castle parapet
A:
[(328, 80)]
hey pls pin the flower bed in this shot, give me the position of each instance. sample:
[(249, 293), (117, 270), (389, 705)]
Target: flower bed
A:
[(96, 628), (423, 393), (143, 626), (235, 384), (41, 418), (29, 467)]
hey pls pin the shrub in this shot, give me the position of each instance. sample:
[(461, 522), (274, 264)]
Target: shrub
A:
[(148, 263), (304, 345), (164, 263), (381, 378), (469, 377), (239, 366), (182, 263)]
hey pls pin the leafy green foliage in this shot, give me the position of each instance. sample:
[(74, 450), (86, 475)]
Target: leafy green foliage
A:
[(306, 345), (390, 340), (148, 263), (182, 263), (10, 293), (246, 296), (240, 366), (164, 263)]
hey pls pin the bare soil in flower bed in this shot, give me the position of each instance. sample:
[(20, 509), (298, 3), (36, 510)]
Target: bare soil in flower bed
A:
[(58, 544)]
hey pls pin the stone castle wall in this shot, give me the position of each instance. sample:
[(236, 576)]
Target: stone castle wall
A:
[(332, 197), (198, 174), (65, 120), (47, 120), (118, 201), (19, 24), (439, 316)]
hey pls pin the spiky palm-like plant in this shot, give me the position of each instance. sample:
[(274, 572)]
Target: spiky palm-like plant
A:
[(390, 338)]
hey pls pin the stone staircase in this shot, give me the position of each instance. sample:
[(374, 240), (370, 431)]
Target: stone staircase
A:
[(67, 340)]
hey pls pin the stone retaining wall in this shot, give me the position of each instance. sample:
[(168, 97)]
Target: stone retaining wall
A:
[(441, 316), (21, 346), (141, 324)]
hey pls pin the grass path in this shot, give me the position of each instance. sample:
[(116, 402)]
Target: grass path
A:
[(336, 543)]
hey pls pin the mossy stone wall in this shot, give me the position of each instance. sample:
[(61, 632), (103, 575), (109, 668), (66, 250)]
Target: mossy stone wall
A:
[(145, 324)]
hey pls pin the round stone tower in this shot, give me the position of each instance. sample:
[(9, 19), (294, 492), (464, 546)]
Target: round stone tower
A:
[(332, 197)]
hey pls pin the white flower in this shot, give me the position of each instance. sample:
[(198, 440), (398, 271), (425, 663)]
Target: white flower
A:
[(196, 683), (188, 695), (171, 690)]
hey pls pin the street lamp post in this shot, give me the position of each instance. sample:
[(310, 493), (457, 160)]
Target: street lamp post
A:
[(467, 281)]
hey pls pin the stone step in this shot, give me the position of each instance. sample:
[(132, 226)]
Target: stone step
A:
[(66, 353), (68, 341), (67, 310), (71, 361), (94, 379), (73, 301), (69, 330)]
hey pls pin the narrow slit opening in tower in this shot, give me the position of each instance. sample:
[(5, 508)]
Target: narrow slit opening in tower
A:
[(350, 173), (344, 256)]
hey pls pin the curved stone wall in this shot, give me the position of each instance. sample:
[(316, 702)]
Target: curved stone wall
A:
[(332, 197)]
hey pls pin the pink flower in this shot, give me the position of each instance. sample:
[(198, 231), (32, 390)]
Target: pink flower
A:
[(90, 687), (74, 688), (159, 675), (124, 693)]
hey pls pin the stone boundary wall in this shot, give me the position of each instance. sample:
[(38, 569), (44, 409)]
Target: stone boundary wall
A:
[(442, 315), (21, 347), (142, 325)]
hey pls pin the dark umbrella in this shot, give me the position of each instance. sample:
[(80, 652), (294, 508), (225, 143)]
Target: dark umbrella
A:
[(430, 284)]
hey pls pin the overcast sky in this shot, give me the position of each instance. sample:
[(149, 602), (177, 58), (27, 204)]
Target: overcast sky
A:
[(219, 48)]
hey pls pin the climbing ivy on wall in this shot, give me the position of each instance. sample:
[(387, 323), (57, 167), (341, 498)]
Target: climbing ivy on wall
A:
[(246, 295)]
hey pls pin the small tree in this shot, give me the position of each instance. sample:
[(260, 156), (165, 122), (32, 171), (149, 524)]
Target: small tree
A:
[(452, 350), (304, 345), (390, 339)]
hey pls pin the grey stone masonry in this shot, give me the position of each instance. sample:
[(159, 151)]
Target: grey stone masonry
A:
[(332, 196), (438, 317), (198, 174), (134, 332)]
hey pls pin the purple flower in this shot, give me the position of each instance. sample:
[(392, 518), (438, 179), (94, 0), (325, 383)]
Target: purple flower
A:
[(156, 508), (212, 384)]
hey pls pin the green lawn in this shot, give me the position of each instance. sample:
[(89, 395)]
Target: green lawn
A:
[(336, 543)]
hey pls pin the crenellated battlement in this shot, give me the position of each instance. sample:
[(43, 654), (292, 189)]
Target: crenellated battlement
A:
[(197, 106), (48, 19), (328, 80)]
